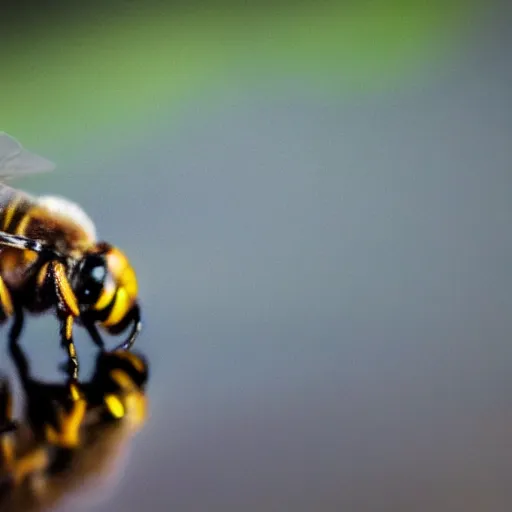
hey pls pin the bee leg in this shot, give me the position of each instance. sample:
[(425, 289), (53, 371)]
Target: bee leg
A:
[(20, 361), (68, 310), (136, 328), (6, 305), (66, 336), (21, 364), (95, 335), (67, 302)]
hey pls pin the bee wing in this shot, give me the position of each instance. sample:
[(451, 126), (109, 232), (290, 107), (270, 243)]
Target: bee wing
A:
[(16, 161)]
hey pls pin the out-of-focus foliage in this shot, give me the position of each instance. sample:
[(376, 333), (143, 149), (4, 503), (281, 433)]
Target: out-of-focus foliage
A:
[(73, 70)]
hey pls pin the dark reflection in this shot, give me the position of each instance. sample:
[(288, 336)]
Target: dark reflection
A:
[(69, 431)]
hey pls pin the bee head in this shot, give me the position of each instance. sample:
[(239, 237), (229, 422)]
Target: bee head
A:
[(105, 285)]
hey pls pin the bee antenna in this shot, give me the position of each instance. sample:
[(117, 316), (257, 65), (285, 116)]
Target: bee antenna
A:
[(136, 328)]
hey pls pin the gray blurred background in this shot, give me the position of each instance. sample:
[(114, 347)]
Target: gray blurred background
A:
[(326, 287)]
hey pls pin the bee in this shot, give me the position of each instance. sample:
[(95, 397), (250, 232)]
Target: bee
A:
[(50, 258), (68, 431)]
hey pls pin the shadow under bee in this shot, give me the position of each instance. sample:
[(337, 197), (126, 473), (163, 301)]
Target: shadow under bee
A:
[(69, 433)]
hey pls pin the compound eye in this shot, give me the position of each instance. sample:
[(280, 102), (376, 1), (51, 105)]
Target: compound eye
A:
[(91, 279)]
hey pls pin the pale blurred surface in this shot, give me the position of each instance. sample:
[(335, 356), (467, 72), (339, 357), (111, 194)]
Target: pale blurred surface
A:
[(326, 289)]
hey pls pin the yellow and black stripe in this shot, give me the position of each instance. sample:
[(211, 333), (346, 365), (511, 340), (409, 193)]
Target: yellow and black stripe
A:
[(61, 417)]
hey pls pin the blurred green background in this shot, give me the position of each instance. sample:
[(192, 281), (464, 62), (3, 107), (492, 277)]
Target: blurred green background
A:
[(316, 199), (70, 69)]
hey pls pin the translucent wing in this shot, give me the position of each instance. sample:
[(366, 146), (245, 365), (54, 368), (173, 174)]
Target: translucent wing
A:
[(16, 161)]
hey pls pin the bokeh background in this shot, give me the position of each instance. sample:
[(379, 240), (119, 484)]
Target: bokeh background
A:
[(316, 197)]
